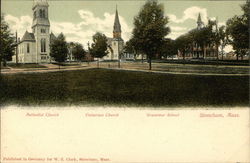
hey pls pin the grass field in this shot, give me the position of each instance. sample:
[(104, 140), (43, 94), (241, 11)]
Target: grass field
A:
[(111, 87)]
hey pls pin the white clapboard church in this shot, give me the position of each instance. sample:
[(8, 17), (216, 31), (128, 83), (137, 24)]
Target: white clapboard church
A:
[(34, 46), (115, 44)]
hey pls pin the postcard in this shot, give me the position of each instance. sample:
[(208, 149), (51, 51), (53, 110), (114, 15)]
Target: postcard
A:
[(124, 81)]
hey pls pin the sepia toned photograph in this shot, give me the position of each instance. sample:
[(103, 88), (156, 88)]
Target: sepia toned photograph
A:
[(124, 81)]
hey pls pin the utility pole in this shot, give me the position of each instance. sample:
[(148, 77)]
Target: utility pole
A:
[(1, 41), (88, 53), (16, 49), (119, 57)]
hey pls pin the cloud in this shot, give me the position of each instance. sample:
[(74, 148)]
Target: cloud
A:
[(174, 35), (81, 31), (19, 24), (176, 31), (177, 28), (190, 13), (221, 24)]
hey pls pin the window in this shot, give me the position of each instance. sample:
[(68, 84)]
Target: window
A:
[(43, 30), (43, 45), (43, 57), (34, 16), (40, 13), (28, 48), (43, 14)]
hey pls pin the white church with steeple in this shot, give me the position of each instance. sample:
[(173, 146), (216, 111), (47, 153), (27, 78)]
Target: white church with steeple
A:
[(34, 47), (115, 44)]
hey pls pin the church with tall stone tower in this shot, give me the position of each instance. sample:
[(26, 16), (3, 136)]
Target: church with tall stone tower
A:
[(115, 44), (34, 47)]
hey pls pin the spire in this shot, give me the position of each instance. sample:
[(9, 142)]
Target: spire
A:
[(199, 22), (117, 25), (199, 18)]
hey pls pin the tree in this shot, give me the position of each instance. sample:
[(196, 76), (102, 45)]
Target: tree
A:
[(59, 49), (184, 44), (130, 47), (7, 43), (169, 48), (223, 38), (238, 30), (78, 51), (99, 46), (150, 29)]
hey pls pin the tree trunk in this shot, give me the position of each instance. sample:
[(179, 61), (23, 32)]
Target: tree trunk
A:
[(0, 64), (205, 52), (150, 63), (237, 57), (119, 63), (222, 53), (183, 54)]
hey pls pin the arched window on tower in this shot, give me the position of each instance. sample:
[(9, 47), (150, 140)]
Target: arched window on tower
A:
[(34, 16), (40, 13), (43, 45), (43, 13)]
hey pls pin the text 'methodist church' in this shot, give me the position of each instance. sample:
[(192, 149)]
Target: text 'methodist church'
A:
[(35, 47)]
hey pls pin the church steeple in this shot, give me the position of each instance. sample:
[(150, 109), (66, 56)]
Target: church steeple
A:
[(40, 13), (117, 26), (40, 3), (199, 22)]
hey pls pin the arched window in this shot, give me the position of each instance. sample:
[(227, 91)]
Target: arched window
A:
[(40, 13), (34, 16), (28, 48), (43, 45), (43, 30), (44, 14)]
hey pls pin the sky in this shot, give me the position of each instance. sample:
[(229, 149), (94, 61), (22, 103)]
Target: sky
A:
[(79, 20)]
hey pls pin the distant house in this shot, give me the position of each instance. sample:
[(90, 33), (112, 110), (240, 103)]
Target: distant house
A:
[(88, 57), (230, 55)]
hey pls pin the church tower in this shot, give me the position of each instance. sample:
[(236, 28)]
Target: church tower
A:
[(41, 30), (117, 42), (199, 22)]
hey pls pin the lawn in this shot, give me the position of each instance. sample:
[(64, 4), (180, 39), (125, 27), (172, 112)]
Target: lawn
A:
[(113, 87)]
